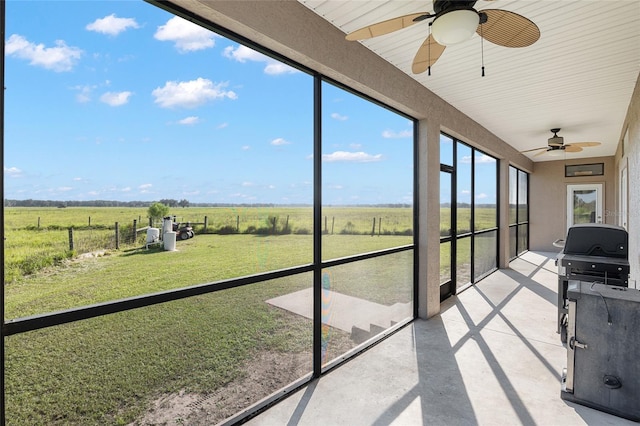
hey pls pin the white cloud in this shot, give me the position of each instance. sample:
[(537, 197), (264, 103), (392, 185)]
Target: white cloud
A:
[(115, 98), (187, 36), (84, 94), (59, 58), (189, 120), (126, 189), (222, 125), (247, 184), (485, 159), (339, 117), (465, 192), (243, 54), (246, 147), (355, 146), (280, 142), (12, 172), (481, 196), (64, 188), (353, 157), (390, 134), (145, 186), (190, 94), (112, 25)]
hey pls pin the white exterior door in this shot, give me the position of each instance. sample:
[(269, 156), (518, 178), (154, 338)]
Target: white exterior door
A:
[(584, 204)]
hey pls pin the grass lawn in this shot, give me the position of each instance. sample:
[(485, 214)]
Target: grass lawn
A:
[(109, 369)]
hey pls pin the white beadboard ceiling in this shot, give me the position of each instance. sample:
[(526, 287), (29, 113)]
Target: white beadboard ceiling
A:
[(578, 76)]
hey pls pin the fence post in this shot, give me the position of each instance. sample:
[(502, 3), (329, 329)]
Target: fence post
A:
[(89, 221), (150, 222), (379, 226), (333, 222), (238, 223), (373, 230), (326, 230), (206, 223), (286, 225), (71, 239), (117, 236), (135, 231), (38, 222)]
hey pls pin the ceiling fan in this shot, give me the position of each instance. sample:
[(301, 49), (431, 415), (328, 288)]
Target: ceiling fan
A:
[(455, 21), (556, 145)]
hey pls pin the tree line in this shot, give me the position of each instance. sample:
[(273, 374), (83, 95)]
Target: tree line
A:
[(167, 202)]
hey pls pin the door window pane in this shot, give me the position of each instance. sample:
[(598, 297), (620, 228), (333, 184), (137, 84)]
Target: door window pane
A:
[(446, 150), (584, 206), (445, 204), (445, 262)]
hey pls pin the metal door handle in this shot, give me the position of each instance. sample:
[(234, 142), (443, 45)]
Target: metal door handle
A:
[(573, 343)]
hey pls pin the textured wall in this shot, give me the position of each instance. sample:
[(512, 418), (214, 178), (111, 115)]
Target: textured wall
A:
[(630, 157), (548, 199)]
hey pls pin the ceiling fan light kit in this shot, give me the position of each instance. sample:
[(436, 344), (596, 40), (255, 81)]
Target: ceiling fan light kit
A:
[(455, 21), (455, 27), (556, 140), (556, 147)]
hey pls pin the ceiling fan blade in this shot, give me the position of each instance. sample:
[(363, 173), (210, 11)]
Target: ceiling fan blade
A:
[(542, 152), (427, 55), (534, 149), (386, 27), (508, 29), (572, 148), (584, 144)]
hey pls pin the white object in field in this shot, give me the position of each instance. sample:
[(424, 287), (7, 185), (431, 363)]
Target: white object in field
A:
[(167, 225), (153, 235), (169, 240)]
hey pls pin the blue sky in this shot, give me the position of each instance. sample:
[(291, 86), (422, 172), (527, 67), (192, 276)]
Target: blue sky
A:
[(115, 100)]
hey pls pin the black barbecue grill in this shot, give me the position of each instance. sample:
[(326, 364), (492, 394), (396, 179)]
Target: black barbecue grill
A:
[(593, 252)]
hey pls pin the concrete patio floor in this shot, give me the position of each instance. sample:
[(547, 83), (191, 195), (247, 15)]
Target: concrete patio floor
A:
[(492, 357)]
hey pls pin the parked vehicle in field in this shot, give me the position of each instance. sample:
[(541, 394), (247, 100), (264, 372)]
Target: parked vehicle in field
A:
[(183, 231)]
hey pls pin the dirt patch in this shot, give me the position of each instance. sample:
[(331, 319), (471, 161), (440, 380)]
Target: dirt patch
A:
[(263, 375), (267, 373)]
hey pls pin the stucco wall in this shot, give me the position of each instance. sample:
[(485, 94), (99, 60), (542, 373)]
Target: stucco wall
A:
[(548, 199), (629, 156)]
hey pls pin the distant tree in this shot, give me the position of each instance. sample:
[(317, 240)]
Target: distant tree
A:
[(169, 202), (158, 211), (184, 203)]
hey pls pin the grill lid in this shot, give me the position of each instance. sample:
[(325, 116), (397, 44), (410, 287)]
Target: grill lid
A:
[(597, 239)]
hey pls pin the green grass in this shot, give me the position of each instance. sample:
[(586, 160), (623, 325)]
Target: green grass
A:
[(108, 370), (38, 237)]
